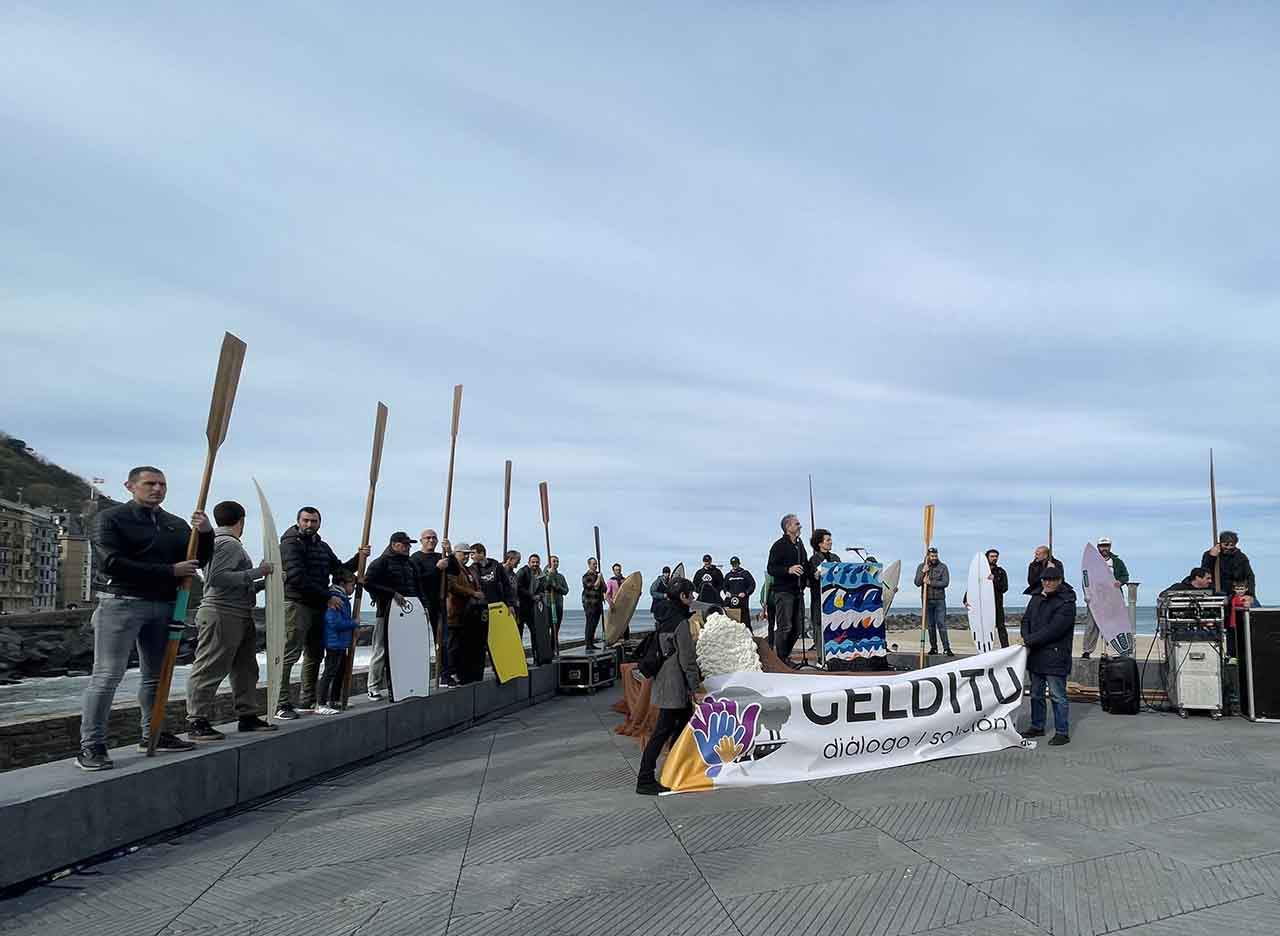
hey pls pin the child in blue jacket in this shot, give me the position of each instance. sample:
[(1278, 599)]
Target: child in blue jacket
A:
[(338, 626)]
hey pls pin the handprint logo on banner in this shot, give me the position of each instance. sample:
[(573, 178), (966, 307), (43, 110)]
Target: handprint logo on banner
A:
[(723, 733)]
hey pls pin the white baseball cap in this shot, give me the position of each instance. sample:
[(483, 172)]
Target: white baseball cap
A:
[(1104, 541)]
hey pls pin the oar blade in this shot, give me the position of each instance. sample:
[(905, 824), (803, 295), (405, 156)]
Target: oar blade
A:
[(225, 382), (379, 432)]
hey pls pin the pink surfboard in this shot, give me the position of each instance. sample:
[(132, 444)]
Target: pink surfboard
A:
[(1105, 600)]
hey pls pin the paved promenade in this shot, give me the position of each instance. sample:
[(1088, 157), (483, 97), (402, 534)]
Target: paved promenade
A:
[(529, 825)]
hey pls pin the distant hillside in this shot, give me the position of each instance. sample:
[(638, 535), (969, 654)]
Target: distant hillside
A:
[(43, 484)]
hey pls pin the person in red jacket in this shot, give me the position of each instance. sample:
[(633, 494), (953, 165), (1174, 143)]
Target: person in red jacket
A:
[(1241, 601)]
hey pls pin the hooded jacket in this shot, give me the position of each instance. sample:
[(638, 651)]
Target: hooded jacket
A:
[(709, 583), (309, 563), (1048, 628), (338, 623), (679, 675), (740, 585)]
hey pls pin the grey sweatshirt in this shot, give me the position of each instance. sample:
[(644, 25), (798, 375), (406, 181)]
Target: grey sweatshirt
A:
[(229, 583)]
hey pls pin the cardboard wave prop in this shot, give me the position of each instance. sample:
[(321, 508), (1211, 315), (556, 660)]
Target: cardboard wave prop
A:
[(852, 611)]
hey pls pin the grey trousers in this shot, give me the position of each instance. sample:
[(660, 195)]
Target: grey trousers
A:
[(227, 645), (378, 659), (304, 637), (1091, 633), (119, 623)]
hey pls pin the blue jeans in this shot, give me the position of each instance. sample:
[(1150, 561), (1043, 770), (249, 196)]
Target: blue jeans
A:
[(1057, 694), (117, 624), (937, 615)]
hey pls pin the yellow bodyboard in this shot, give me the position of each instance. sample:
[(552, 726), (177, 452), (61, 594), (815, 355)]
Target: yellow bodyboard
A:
[(504, 644)]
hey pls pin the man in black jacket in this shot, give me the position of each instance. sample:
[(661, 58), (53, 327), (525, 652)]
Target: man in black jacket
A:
[(1048, 629), (143, 552), (739, 585), (392, 578), (1000, 584), (529, 584), (1231, 563), (787, 564), (1200, 579), (495, 583), (309, 563), (1043, 559), (709, 582), (429, 564)]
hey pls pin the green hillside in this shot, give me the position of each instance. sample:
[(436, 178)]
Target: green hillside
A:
[(42, 483)]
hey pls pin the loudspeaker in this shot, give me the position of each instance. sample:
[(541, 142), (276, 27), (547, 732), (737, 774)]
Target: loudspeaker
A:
[(1118, 687), (1260, 665)]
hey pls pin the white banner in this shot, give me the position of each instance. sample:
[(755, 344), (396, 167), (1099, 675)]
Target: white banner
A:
[(761, 728)]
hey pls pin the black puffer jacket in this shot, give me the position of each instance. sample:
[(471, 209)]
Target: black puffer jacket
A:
[(389, 575), (1048, 628), (308, 564), (1234, 567)]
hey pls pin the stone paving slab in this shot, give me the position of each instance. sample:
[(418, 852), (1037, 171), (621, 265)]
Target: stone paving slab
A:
[(528, 824)]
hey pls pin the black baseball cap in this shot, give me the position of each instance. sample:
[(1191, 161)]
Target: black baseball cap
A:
[(400, 536), (1051, 571), (707, 557), (734, 560)]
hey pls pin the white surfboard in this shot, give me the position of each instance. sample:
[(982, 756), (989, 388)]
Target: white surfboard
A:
[(1105, 600), (889, 582), (409, 649), (275, 602), (982, 603)]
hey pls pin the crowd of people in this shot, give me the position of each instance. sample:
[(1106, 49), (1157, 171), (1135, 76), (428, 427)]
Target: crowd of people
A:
[(142, 550)]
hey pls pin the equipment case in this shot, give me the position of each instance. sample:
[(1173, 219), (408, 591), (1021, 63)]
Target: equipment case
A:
[(587, 670)]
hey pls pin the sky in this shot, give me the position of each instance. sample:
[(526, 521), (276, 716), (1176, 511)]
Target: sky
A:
[(680, 257)]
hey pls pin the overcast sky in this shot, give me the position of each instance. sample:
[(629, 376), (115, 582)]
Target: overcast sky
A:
[(680, 257)]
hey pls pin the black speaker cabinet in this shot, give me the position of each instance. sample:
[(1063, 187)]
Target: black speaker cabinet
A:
[(1260, 665)]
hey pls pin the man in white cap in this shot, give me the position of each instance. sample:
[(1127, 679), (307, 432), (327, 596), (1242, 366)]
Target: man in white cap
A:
[(1121, 573)]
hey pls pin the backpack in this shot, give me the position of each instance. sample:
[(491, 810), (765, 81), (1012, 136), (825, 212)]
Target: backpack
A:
[(649, 653)]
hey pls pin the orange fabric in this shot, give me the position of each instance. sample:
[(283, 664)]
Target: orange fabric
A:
[(641, 716)]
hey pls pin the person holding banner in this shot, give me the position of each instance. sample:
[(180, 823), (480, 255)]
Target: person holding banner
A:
[(1048, 629), (676, 685)]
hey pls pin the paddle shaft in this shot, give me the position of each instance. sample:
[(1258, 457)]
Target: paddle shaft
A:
[(448, 510), (506, 510), (1213, 514), (375, 468), (924, 581), (178, 624)]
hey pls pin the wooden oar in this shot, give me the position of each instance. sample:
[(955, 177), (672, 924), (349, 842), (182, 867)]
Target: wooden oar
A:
[(375, 465), (546, 529), (448, 512), (506, 511), (813, 523), (225, 383), (1213, 513), (924, 580)]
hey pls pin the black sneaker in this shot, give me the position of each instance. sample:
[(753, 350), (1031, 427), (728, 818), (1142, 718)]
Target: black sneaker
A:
[(1033, 733), (651, 788), (949, 652), (200, 730), (286, 713), (167, 742), (94, 757), (254, 723), (1059, 739), (933, 651)]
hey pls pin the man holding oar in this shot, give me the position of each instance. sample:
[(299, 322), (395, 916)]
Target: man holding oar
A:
[(143, 551), (309, 563)]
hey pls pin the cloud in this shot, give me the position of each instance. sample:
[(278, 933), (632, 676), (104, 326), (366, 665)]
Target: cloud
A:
[(680, 260)]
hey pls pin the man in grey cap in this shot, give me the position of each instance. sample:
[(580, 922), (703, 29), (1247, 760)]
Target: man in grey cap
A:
[(391, 579), (934, 577), (1121, 573)]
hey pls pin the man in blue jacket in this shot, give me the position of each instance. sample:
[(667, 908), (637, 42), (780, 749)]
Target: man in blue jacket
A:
[(1048, 628)]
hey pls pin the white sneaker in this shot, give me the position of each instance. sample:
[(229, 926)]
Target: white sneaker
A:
[(375, 695), (326, 710)]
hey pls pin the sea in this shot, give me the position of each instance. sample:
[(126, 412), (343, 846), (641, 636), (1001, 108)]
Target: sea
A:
[(60, 695)]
